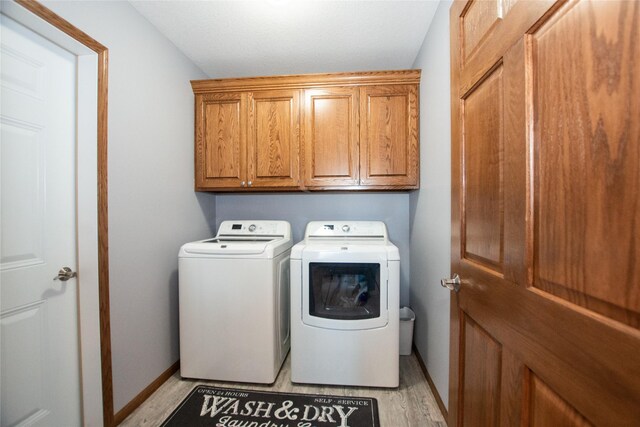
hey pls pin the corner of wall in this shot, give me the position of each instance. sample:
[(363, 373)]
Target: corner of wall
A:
[(430, 212)]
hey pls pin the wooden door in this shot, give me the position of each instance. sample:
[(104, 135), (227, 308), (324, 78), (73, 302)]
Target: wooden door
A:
[(331, 137), (545, 213), (389, 136), (220, 140), (273, 139)]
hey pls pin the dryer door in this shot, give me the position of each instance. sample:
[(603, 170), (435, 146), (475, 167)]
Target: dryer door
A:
[(345, 292)]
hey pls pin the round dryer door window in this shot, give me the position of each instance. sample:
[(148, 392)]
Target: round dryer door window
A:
[(350, 295)]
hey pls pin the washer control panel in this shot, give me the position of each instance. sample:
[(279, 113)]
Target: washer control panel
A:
[(257, 227)]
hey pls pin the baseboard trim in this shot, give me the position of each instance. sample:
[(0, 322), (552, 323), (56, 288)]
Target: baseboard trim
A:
[(144, 394), (434, 390)]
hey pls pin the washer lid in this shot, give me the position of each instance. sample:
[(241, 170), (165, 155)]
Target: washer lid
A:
[(257, 238), (231, 246)]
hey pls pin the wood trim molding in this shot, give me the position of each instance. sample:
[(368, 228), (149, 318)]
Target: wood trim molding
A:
[(103, 230), (60, 23), (302, 81), (432, 386), (146, 393)]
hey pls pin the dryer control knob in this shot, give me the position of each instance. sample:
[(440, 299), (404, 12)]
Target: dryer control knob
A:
[(252, 228), (346, 228)]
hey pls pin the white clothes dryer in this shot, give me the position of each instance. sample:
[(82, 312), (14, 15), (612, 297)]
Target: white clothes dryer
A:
[(234, 303), (345, 281)]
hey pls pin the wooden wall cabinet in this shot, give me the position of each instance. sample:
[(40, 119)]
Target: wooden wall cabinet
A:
[(247, 140), (343, 131), (361, 137)]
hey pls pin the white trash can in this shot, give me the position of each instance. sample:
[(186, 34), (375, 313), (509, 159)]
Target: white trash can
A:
[(407, 318)]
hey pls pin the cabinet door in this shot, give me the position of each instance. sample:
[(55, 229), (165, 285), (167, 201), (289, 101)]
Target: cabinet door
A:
[(389, 136), (220, 140), (273, 139), (331, 137)]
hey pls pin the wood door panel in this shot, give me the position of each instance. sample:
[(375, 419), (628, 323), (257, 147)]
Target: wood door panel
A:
[(521, 15), (222, 132), (331, 137), (220, 140), (272, 150), (482, 362), (506, 6), (547, 408), (482, 146), (389, 135), (274, 132), (477, 21), (587, 158), (330, 158), (387, 118), (512, 383)]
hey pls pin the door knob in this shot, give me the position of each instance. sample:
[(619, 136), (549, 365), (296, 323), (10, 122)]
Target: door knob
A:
[(65, 274), (452, 284)]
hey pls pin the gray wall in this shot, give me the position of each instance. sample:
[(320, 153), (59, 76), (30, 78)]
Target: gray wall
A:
[(298, 209), (430, 207), (152, 206)]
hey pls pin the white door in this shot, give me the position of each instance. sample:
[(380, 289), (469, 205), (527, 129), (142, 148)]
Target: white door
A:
[(40, 383)]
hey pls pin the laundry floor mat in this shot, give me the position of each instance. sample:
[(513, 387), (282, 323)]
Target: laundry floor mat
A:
[(225, 407)]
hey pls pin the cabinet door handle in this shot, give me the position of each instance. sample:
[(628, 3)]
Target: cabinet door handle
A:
[(250, 183), (242, 184)]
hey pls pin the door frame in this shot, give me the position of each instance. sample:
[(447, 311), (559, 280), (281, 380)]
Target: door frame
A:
[(92, 222)]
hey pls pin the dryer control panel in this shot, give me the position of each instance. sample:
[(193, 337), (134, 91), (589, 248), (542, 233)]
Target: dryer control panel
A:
[(346, 229)]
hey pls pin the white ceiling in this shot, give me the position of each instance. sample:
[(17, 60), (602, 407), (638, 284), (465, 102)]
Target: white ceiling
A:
[(259, 38)]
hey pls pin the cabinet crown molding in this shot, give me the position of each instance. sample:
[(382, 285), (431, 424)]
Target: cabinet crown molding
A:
[(301, 81)]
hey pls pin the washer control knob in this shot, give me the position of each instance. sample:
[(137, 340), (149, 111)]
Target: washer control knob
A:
[(252, 228), (346, 228)]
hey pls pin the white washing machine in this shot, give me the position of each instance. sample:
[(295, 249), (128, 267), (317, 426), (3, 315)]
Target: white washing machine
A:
[(234, 303), (345, 281)]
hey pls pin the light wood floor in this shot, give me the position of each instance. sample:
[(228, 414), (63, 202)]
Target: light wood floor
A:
[(410, 405)]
